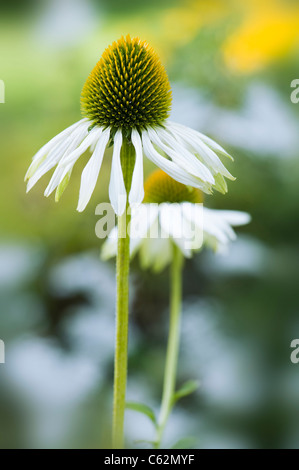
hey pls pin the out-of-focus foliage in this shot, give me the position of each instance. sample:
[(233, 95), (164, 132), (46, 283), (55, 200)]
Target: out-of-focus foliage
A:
[(230, 64)]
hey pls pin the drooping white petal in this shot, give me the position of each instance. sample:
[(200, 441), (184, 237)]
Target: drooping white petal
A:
[(234, 218), (192, 225), (155, 253), (220, 183), (91, 171), (172, 225), (62, 185), (117, 190), (143, 218), (214, 146), (35, 164), (216, 226), (57, 177), (194, 139), (212, 230), (69, 159), (137, 190), (180, 154), (40, 155), (171, 168), (91, 138), (185, 224), (207, 140), (61, 149)]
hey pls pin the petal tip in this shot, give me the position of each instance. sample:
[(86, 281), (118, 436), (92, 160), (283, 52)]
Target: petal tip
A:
[(81, 207)]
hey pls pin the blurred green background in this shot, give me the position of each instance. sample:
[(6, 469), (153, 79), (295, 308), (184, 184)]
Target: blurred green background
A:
[(230, 64)]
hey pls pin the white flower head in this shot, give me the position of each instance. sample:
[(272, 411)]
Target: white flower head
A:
[(174, 213), (128, 96)]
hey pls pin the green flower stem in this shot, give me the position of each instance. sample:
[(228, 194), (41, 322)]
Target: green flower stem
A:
[(122, 303), (173, 343)]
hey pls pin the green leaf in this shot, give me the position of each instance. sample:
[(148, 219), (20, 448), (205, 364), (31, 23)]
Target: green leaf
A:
[(185, 443), (186, 389), (144, 409)]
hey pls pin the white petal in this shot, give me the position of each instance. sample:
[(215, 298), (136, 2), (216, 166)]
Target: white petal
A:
[(220, 183), (171, 221), (91, 171), (164, 254), (214, 146), (69, 159), (214, 244), (194, 139), (91, 138), (235, 218), (171, 168), (57, 177), (143, 218), (137, 191), (62, 186), (155, 253), (211, 229), (214, 224), (58, 152), (210, 142), (40, 155), (117, 190), (180, 155), (193, 225), (35, 164)]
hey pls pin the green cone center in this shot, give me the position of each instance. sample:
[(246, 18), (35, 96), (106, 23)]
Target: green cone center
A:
[(128, 88)]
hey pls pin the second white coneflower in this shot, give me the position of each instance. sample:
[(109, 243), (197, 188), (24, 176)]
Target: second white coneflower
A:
[(125, 104), (170, 207)]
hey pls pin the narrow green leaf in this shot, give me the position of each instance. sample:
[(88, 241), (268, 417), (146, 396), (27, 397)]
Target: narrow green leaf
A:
[(144, 409), (185, 443), (186, 389)]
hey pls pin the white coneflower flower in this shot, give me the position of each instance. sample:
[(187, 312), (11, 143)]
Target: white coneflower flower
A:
[(171, 208), (128, 96)]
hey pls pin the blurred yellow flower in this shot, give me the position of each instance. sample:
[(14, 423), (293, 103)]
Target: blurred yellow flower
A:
[(181, 24), (170, 26), (269, 32)]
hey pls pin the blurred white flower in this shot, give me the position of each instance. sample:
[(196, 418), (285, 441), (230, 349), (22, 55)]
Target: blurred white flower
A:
[(157, 224)]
